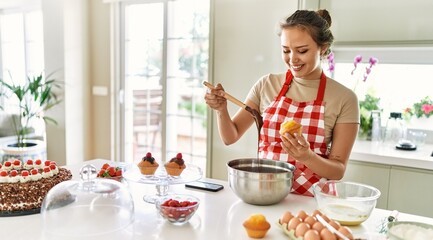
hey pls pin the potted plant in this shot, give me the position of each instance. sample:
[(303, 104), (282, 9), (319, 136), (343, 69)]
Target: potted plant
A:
[(418, 116), (33, 98), (366, 106)]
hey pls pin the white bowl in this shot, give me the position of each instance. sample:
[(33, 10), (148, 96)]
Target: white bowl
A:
[(409, 231), (349, 203)]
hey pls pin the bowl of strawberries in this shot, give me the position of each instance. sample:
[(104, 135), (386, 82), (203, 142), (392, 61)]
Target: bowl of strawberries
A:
[(111, 171), (177, 209)]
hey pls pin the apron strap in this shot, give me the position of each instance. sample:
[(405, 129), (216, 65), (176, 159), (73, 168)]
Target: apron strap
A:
[(286, 85), (322, 86), (288, 82)]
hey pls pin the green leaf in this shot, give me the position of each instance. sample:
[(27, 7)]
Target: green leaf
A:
[(34, 97), (48, 119)]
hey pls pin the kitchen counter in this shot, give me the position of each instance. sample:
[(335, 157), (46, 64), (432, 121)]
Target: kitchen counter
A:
[(219, 216), (380, 153)]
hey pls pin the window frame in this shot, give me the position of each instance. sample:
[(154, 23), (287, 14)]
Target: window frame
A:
[(24, 9), (119, 71)]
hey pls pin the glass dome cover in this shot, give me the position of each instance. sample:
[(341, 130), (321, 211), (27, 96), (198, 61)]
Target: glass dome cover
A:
[(89, 207)]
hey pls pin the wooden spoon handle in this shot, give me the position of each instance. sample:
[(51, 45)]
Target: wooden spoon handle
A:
[(227, 96)]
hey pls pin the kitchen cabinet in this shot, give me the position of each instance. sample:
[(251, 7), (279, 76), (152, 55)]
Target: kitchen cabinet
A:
[(411, 191), (376, 175), (397, 21), (405, 189)]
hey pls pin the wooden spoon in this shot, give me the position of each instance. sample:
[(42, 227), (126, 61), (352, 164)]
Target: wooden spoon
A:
[(256, 115), (228, 96)]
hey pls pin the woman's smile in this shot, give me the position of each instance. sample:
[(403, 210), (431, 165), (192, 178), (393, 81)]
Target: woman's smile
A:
[(297, 67)]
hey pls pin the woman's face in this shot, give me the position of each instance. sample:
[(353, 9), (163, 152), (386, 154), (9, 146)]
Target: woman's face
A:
[(301, 53)]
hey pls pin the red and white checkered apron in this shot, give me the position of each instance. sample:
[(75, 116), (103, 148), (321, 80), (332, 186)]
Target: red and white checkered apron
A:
[(311, 116)]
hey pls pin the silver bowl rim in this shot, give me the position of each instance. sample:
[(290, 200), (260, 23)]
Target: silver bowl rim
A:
[(285, 165), (318, 190)]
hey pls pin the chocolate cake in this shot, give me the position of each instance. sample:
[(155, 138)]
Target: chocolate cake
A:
[(23, 187)]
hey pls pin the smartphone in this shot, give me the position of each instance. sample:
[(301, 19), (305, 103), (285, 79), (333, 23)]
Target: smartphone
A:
[(207, 186)]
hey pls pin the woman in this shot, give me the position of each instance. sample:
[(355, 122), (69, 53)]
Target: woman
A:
[(328, 111)]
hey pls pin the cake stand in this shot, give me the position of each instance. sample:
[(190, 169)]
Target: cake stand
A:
[(161, 179)]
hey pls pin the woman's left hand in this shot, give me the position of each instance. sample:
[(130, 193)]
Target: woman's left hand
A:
[(296, 146)]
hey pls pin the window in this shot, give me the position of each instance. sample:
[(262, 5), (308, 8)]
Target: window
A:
[(164, 59), (21, 49), (399, 79)]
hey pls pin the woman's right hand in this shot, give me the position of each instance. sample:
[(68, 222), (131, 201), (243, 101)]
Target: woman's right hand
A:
[(215, 98)]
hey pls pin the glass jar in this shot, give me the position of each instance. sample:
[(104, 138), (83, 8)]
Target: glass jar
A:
[(376, 129), (395, 129)]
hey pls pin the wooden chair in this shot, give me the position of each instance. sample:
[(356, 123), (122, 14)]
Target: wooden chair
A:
[(147, 105)]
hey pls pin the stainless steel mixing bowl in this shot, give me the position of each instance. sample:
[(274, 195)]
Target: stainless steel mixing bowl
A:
[(260, 181)]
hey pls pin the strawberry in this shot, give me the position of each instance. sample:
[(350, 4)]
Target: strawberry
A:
[(105, 166), (47, 169), (8, 164), (34, 171), (176, 214), (47, 163), (101, 173), (14, 173), (17, 162), (173, 203), (3, 173), (25, 173), (112, 171), (165, 203), (30, 162), (119, 172), (38, 162)]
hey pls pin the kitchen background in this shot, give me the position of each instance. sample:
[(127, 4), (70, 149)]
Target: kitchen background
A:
[(90, 45)]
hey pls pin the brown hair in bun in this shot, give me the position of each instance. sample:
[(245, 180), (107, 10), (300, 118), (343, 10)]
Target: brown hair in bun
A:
[(317, 23)]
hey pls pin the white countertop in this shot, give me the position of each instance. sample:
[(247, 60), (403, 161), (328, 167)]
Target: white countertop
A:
[(380, 153), (219, 216)]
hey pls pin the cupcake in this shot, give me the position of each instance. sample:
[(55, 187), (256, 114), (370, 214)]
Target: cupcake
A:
[(148, 165), (256, 226), (175, 166)]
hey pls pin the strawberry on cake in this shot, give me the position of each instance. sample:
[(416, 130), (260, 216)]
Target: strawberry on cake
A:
[(175, 166), (148, 165), (24, 186)]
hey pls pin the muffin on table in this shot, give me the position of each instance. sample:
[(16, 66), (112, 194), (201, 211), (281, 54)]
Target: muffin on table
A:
[(256, 226), (175, 166), (148, 165)]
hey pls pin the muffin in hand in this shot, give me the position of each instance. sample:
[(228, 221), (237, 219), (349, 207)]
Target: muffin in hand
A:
[(291, 127)]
